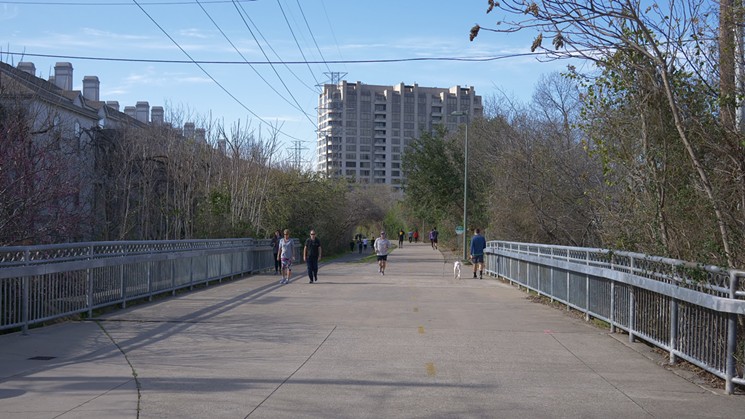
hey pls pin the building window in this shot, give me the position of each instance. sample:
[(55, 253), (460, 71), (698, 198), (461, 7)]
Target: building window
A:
[(351, 164)]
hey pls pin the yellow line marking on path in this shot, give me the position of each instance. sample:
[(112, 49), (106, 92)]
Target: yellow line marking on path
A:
[(421, 330), (431, 371)]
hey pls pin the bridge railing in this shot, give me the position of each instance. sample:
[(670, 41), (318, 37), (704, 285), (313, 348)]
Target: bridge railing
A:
[(692, 311), (42, 283)]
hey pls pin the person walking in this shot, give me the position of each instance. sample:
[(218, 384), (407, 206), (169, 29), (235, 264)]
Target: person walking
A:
[(275, 250), (416, 236), (286, 255), (381, 250), (311, 256), (401, 237), (433, 237), (478, 244)]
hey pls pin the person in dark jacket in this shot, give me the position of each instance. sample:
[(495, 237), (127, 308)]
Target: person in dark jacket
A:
[(311, 256), (478, 244), (275, 250)]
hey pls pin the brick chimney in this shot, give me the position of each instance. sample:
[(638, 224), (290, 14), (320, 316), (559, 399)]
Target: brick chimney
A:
[(91, 87), (27, 67), (63, 75), (114, 104), (143, 112), (130, 111), (189, 130), (157, 115), (200, 135)]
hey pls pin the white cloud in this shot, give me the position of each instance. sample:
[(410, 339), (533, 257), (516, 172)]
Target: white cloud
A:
[(194, 33), (8, 12)]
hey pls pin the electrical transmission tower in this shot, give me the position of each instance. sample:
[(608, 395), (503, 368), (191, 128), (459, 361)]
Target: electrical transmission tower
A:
[(296, 154), (335, 77)]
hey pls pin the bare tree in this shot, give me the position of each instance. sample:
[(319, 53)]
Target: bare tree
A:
[(672, 39), (40, 192)]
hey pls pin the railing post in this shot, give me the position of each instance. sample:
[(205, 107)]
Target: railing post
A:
[(89, 281), (729, 386), (123, 290), (631, 303), (149, 281), (191, 273), (173, 276), (612, 306), (25, 303), (673, 329), (632, 339), (551, 278)]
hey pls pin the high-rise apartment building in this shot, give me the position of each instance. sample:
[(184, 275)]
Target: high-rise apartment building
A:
[(363, 129)]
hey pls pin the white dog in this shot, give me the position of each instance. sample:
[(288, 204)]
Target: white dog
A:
[(456, 269)]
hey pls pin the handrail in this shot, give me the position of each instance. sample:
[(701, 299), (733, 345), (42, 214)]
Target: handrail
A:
[(42, 283), (690, 310)]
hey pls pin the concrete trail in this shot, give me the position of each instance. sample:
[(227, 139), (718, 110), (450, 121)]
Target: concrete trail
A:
[(413, 343)]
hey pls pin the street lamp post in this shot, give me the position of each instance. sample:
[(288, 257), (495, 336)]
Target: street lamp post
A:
[(465, 186)]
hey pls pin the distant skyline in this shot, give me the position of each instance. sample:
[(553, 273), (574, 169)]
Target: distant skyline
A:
[(192, 55)]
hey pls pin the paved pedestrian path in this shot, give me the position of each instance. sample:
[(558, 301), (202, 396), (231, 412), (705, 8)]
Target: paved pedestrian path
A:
[(413, 343)]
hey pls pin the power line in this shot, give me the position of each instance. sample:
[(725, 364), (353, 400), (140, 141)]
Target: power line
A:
[(268, 45), (153, 3), (302, 13), (269, 62), (296, 42), (206, 72), (267, 57), (331, 27), (246, 60)]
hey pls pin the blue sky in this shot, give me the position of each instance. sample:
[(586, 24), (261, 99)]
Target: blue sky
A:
[(325, 30)]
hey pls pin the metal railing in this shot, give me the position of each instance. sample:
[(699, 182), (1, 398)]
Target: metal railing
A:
[(42, 283), (692, 311)]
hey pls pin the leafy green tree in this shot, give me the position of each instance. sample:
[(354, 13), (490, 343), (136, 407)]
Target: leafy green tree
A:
[(434, 172)]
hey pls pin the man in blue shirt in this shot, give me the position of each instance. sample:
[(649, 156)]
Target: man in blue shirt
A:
[(478, 244)]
